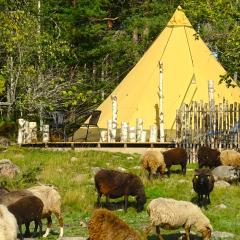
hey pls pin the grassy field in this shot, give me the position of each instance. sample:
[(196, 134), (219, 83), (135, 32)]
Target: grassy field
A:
[(72, 172)]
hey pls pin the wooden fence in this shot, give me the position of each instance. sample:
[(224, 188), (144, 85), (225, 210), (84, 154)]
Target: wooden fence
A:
[(199, 124)]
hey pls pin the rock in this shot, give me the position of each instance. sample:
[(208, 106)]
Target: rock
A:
[(136, 167), (226, 173), (221, 184), (8, 169), (83, 224), (73, 159), (221, 206), (95, 169), (121, 169), (222, 235)]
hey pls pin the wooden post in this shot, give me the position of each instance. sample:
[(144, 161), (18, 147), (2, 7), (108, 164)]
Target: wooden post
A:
[(161, 116), (139, 129), (114, 118), (211, 111), (109, 130), (103, 135), (143, 136), (124, 132), (33, 132), (220, 126), (21, 123)]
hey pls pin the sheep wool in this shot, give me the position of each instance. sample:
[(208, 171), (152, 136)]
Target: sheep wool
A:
[(8, 224), (172, 214), (230, 158), (104, 225), (153, 160), (51, 204)]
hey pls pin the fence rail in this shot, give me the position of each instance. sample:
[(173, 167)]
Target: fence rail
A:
[(199, 124)]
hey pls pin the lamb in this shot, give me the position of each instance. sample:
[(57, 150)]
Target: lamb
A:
[(104, 225), (115, 184), (24, 207), (170, 214), (8, 224), (176, 156), (208, 157), (230, 158), (203, 183), (51, 204), (153, 162)]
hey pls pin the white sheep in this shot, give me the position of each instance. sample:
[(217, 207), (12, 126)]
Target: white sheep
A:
[(8, 224), (153, 162), (230, 157), (51, 204), (170, 214)]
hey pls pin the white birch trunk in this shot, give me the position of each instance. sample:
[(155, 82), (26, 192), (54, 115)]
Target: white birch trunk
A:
[(33, 132), (21, 123), (124, 132), (103, 135), (211, 108), (153, 133), (139, 129), (143, 136), (161, 116), (45, 133), (109, 130), (114, 118), (27, 135), (131, 134)]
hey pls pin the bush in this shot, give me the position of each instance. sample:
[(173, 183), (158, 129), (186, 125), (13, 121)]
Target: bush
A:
[(8, 129)]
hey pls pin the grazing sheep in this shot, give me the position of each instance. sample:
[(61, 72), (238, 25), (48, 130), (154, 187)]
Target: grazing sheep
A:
[(8, 224), (170, 214), (51, 204), (230, 158), (176, 156), (203, 183), (115, 184), (153, 162), (226, 173), (208, 157), (104, 225), (26, 209)]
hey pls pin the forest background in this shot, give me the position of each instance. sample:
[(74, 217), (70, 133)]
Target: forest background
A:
[(70, 54)]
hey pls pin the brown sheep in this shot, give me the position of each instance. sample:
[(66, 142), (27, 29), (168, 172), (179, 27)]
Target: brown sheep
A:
[(153, 162), (25, 208), (176, 156), (104, 225), (208, 157), (115, 184), (203, 183)]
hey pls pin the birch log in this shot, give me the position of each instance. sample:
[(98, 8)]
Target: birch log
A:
[(109, 130), (124, 132), (21, 123), (161, 117), (153, 133), (139, 129), (132, 134), (27, 135), (103, 135), (114, 118), (143, 136), (33, 132), (45, 130)]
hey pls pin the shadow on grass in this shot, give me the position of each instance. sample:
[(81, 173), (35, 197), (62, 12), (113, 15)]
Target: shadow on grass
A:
[(113, 206), (173, 236)]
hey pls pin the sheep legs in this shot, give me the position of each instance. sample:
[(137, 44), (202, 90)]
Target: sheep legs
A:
[(125, 203), (49, 225), (20, 232), (158, 233), (60, 220), (99, 199), (27, 232)]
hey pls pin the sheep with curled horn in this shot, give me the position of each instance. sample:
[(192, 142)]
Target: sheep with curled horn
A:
[(115, 184)]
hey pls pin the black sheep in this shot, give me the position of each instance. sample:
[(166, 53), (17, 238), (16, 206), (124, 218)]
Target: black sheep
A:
[(208, 157), (176, 156), (203, 183), (115, 184)]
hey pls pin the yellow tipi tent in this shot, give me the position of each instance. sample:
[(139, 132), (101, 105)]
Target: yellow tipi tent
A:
[(188, 64)]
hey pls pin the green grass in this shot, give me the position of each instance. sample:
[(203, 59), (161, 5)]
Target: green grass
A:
[(74, 179)]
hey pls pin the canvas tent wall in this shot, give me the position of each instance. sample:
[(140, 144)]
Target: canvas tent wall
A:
[(188, 65)]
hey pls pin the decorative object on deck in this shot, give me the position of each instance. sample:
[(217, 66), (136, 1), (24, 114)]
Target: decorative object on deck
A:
[(139, 129), (124, 132), (45, 132), (153, 133), (103, 135), (109, 130), (33, 132), (131, 134), (21, 124), (114, 118)]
